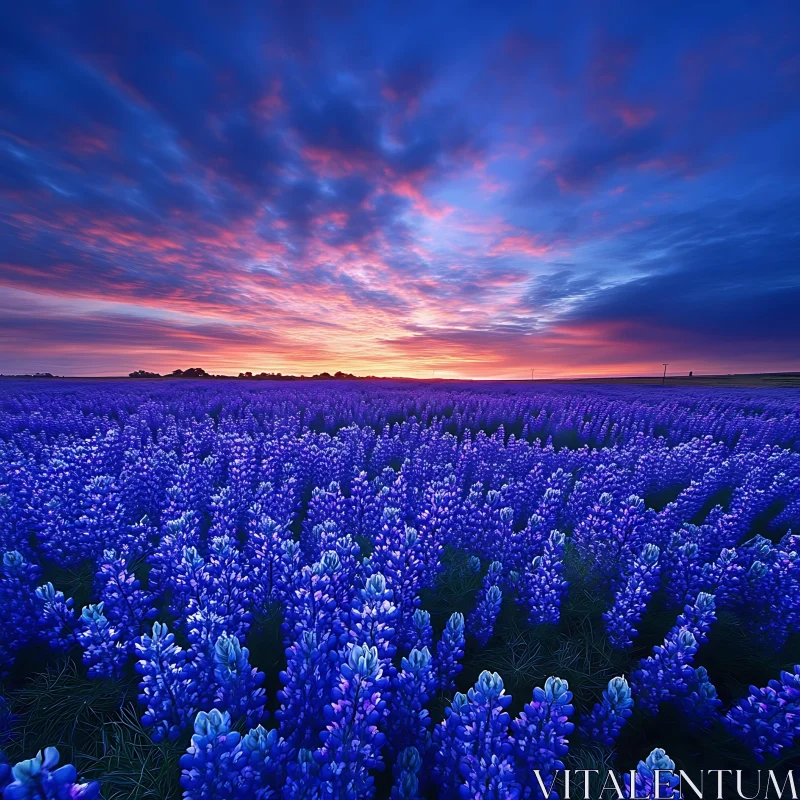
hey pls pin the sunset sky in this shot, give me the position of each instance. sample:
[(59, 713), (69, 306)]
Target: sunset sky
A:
[(470, 188)]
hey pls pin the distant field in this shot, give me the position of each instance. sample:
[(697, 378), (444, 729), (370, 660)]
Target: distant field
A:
[(787, 380)]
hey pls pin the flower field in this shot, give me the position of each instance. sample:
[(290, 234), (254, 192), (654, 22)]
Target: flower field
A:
[(373, 589)]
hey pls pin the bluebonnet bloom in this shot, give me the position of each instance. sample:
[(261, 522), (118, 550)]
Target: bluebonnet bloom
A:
[(608, 716), (593, 528), (177, 534), (485, 729), (208, 768), (302, 778), (398, 555), (628, 532), (39, 778), (263, 552), (630, 601), (85, 527), (541, 586), (189, 582), (373, 616), (261, 760), (205, 484), (237, 683), (697, 617), (487, 762), (335, 581), (103, 651), (289, 564), (667, 673), (125, 604), (421, 630), (499, 537), (56, 617), (406, 785), (435, 522), (685, 572), (310, 605), (17, 583), (550, 507), (700, 704), (645, 778), (168, 687), (224, 511), (351, 740), (449, 652), (306, 682), (540, 733), (448, 747), (412, 687), (492, 779), (481, 621), (325, 505), (227, 594), (766, 720)]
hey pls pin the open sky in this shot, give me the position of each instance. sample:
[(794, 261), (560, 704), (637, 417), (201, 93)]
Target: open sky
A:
[(393, 188)]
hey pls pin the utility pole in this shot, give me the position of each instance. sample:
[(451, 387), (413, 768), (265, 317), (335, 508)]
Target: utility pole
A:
[(664, 378), (531, 374)]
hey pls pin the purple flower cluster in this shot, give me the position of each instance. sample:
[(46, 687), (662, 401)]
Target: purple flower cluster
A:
[(333, 512), (630, 601), (767, 719), (490, 597)]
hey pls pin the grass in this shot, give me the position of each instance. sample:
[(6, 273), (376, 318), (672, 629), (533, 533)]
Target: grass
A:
[(95, 726), (129, 765)]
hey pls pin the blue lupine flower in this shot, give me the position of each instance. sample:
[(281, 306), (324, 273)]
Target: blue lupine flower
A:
[(168, 687), (126, 606), (261, 760), (208, 769), (351, 740), (608, 716), (700, 705), (373, 616), (303, 781), (492, 779), (39, 779), (645, 778), (449, 748), (449, 652), (698, 617), (56, 617), (103, 651), (238, 685), (406, 785), (541, 587), (485, 730), (412, 687), (18, 578), (667, 673), (766, 720), (488, 602), (630, 601), (540, 733), (306, 682), (421, 629)]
